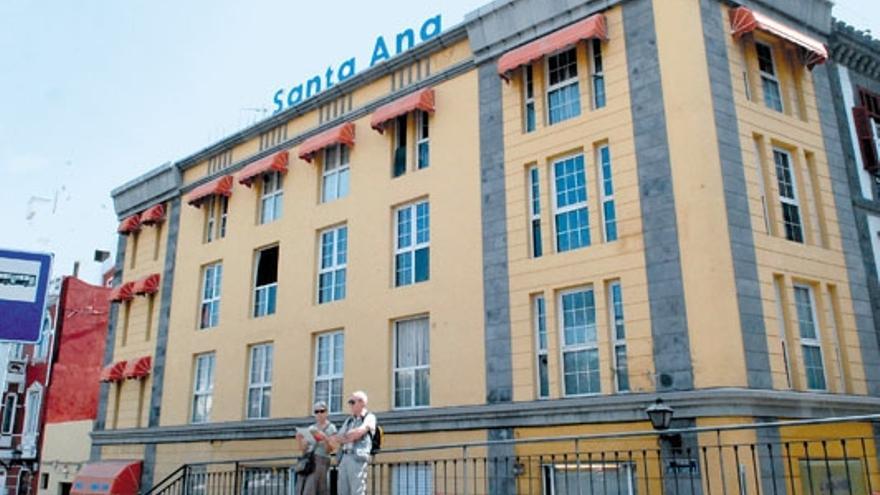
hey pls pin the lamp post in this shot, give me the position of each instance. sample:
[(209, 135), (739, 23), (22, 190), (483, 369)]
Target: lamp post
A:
[(660, 415)]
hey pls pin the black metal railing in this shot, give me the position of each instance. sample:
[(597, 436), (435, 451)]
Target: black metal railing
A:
[(828, 456)]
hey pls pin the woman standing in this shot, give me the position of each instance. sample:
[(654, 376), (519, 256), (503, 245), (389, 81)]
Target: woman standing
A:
[(315, 483)]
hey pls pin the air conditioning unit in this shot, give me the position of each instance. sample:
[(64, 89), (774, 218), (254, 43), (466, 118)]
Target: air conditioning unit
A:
[(16, 370)]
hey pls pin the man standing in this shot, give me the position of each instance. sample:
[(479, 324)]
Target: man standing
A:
[(356, 440)]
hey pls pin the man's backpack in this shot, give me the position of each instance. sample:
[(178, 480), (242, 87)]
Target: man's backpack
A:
[(376, 439)]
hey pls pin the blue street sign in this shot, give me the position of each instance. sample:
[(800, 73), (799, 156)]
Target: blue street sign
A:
[(24, 282)]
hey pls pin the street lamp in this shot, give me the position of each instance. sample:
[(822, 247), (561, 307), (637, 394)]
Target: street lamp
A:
[(660, 415)]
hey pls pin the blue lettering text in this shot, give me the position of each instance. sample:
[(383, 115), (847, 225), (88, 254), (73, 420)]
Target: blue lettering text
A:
[(380, 51)]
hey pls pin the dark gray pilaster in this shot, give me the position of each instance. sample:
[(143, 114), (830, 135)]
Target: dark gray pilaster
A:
[(739, 224), (770, 457), (681, 460), (672, 356), (109, 346), (500, 463), (855, 265), (162, 338), (496, 290)]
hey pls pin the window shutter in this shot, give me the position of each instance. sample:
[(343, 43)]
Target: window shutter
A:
[(865, 135)]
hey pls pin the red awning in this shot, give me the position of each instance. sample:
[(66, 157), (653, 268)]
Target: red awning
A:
[(124, 292), (217, 187), (146, 285), (108, 478), (341, 134), (744, 20), (138, 368), (113, 372), (420, 100), (591, 27), (130, 225), (153, 215), (271, 163)]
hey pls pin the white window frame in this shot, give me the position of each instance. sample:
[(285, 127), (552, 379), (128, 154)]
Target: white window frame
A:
[(216, 280), (260, 354), (336, 268), (595, 53), (12, 416), (263, 292), (528, 84), (412, 478), (796, 202), (423, 137), (557, 210), (539, 312), (770, 76), (812, 342), (875, 131), (534, 178), (561, 84), (41, 352), (329, 339), (415, 245), (224, 214), (565, 348), (604, 197), (618, 340), (397, 369), (271, 197), (32, 409), (205, 392), (337, 167)]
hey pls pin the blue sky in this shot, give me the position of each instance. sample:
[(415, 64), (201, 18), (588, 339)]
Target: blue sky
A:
[(96, 92)]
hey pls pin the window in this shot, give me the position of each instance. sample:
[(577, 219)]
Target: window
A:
[(271, 197), (329, 368), (598, 74), (422, 140), (810, 340), (335, 176), (42, 352), (400, 129), (535, 211), (266, 282), (618, 336), (16, 351), (32, 404), (203, 388), (412, 479), (259, 399), (528, 98), (540, 315), (588, 479), (609, 213), (272, 137), (8, 423), (332, 269), (788, 196), (134, 248), (216, 210), (563, 94), (769, 82), (570, 204), (411, 363), (210, 312), (412, 244), (580, 353)]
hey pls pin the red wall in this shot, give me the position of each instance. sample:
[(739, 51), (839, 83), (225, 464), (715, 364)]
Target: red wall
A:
[(79, 352)]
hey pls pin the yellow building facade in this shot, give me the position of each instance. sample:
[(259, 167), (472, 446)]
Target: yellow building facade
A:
[(528, 226)]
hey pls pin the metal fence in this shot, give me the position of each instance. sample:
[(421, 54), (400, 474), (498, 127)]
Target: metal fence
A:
[(828, 456)]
